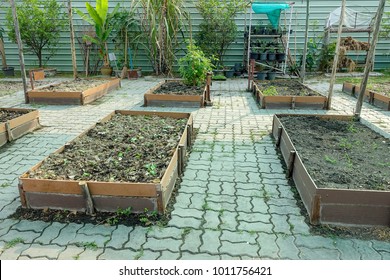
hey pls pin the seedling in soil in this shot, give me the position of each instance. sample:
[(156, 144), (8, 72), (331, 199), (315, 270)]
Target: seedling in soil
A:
[(119, 214), (351, 128), (151, 168), (13, 242), (349, 160), (330, 160), (345, 144)]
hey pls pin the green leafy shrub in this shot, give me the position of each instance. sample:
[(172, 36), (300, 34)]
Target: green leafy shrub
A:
[(194, 66), (40, 23)]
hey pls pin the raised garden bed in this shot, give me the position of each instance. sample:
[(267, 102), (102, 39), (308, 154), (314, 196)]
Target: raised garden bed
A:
[(14, 123), (174, 93), (287, 94), (340, 167), (129, 160), (79, 92), (377, 94)]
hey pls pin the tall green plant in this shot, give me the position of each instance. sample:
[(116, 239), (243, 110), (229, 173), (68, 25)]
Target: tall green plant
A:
[(194, 66), (385, 33), (161, 24), (100, 19), (40, 23), (218, 30)]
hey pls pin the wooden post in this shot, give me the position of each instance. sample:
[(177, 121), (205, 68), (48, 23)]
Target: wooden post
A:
[(180, 160), (303, 70), (88, 198), (251, 73), (290, 164), (336, 58), (370, 58), (72, 45), (189, 135), (280, 130), (208, 84), (20, 48), (9, 132)]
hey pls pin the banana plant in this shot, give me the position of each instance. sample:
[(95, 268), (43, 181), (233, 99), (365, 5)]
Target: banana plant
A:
[(100, 19)]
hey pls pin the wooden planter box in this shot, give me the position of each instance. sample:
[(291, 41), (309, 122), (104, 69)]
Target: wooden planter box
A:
[(370, 96), (331, 206), (175, 100), (108, 196), (72, 98), (289, 102), (19, 126)]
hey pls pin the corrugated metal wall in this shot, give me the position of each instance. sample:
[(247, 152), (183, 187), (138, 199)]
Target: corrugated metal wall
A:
[(319, 12)]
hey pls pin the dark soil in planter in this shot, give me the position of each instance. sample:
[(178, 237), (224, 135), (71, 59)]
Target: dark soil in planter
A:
[(178, 88), (74, 85), (382, 88), (9, 115), (288, 88), (341, 154), (124, 149)]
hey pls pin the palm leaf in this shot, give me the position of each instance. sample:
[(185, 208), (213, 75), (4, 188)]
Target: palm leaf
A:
[(84, 16), (102, 9), (94, 15)]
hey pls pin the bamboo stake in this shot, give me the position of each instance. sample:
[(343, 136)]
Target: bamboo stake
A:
[(20, 48), (72, 45), (370, 58), (303, 69), (336, 58)]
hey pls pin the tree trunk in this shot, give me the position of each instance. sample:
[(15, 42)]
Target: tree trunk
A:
[(303, 70), (72, 44), (370, 57), (20, 48), (336, 58), (2, 52)]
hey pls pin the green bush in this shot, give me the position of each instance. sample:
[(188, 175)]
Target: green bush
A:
[(194, 66), (40, 23)]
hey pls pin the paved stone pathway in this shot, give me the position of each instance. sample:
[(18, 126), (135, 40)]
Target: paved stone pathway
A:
[(233, 203)]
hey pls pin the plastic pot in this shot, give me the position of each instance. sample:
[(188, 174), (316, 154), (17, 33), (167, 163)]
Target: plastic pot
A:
[(261, 76), (263, 56), (8, 71), (229, 73), (271, 76), (280, 56), (271, 56)]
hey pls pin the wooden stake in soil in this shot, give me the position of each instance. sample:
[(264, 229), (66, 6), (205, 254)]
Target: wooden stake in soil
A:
[(9, 132), (290, 164), (336, 58), (72, 46), (88, 198), (370, 58), (20, 48)]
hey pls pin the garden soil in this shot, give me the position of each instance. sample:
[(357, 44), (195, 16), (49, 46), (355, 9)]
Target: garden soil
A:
[(77, 85), (287, 88), (9, 115), (178, 88), (341, 154)]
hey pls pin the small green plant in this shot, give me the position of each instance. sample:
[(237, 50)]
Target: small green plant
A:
[(270, 91), (266, 196), (151, 169), (88, 245), (349, 160), (330, 159), (193, 67), (344, 143), (140, 254), (13, 242), (4, 185), (352, 128)]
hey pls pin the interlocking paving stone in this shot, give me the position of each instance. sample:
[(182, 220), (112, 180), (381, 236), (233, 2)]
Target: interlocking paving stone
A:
[(120, 254), (167, 232), (90, 229), (136, 238), (268, 247), (14, 252), (366, 251), (170, 244), (287, 248), (89, 254), (188, 212), (119, 237), (239, 237), (346, 249), (239, 249), (148, 255), (50, 233), (202, 256), (46, 251), (210, 242), (67, 234), (211, 220), (185, 222), (318, 254), (192, 241)]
